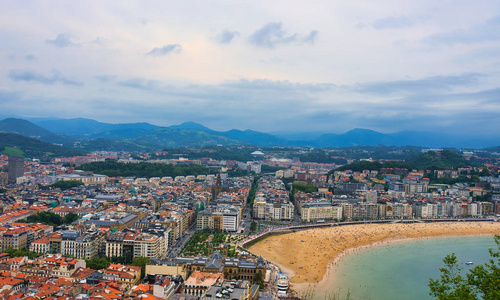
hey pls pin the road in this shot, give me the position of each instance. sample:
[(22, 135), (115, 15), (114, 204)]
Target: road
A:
[(181, 242)]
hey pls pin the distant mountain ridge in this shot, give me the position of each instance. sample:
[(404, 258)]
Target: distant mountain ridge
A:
[(81, 127), (28, 129), (147, 136)]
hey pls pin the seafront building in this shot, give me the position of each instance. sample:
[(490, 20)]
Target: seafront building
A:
[(272, 201)]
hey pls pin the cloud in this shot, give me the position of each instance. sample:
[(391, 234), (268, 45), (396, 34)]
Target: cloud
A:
[(272, 34), (176, 48), (419, 86), (105, 78), (29, 57), (61, 41), (141, 83), (486, 32), (392, 23), (311, 37), (278, 85), (29, 75), (226, 36)]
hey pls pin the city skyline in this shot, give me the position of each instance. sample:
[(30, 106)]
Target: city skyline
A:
[(281, 66)]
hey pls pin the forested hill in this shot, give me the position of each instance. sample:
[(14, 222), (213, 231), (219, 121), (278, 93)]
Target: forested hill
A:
[(443, 160), (18, 145), (359, 166)]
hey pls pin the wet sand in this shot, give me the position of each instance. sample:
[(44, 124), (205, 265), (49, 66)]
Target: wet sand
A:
[(309, 255)]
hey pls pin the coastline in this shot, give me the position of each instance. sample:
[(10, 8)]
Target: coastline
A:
[(316, 252), (331, 271)]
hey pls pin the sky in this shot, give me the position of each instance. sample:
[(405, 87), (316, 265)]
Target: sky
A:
[(271, 66)]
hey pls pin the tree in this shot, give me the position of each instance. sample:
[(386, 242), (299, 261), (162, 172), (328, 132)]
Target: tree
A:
[(70, 218), (98, 263), (257, 278), (17, 252), (484, 172), (451, 285), (67, 184), (482, 282), (141, 262), (253, 226), (486, 278), (52, 219)]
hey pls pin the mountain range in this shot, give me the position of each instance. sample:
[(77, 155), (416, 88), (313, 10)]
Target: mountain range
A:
[(91, 135)]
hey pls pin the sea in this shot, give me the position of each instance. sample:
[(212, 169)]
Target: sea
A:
[(402, 270)]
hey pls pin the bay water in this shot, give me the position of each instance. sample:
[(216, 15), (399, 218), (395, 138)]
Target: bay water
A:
[(402, 270)]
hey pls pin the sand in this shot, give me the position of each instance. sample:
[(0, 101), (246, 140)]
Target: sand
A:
[(310, 254)]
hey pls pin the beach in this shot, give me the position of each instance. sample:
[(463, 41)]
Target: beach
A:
[(309, 255)]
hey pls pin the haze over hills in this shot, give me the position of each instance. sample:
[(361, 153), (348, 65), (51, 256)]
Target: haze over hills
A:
[(92, 134)]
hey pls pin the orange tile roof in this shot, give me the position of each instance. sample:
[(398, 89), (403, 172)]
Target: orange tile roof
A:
[(9, 281)]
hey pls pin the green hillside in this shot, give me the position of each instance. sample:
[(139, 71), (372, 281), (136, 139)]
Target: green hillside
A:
[(28, 129), (18, 145), (104, 144), (172, 138), (444, 160), (374, 165)]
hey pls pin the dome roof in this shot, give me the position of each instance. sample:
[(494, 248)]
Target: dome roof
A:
[(216, 255)]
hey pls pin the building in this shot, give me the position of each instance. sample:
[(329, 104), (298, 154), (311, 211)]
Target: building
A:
[(149, 245), (200, 282), (120, 244), (371, 197), (320, 211), (42, 245), (216, 263), (364, 211), (225, 218), (273, 209), (122, 273), (16, 168), (80, 246), (16, 238), (87, 177)]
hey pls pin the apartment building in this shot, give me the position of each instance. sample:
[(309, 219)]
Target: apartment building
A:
[(320, 210)]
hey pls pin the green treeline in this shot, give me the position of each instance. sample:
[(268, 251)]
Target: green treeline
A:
[(144, 169), (214, 152), (98, 263), (251, 193), (269, 169), (25, 252), (447, 160), (304, 188), (320, 156), (66, 184), (359, 166), (51, 219)]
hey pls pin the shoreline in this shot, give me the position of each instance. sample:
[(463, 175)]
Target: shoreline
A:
[(318, 251), (332, 270)]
